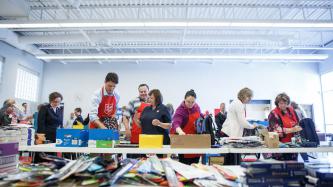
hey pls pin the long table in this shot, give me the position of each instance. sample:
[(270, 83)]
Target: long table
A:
[(168, 150)]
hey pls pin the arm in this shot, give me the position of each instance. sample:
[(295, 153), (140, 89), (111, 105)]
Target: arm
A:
[(96, 100), (126, 116), (240, 114), (275, 125), (165, 122), (177, 120), (42, 120)]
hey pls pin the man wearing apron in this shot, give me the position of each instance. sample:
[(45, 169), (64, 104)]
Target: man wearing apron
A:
[(104, 105), (135, 106)]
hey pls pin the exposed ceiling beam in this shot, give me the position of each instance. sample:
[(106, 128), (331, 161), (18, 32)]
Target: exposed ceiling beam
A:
[(87, 5), (164, 24), (318, 57), (161, 37), (12, 39)]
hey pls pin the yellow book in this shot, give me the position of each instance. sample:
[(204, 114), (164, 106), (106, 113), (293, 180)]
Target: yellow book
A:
[(150, 141)]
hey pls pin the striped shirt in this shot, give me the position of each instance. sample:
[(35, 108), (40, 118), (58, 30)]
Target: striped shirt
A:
[(132, 106)]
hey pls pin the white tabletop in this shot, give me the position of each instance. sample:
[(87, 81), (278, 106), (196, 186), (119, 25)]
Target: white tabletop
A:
[(168, 150), (281, 150), (164, 150)]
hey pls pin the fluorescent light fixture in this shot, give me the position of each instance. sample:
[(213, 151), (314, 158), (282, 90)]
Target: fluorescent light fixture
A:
[(161, 23), (164, 56)]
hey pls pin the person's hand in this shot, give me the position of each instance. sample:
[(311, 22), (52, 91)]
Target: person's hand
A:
[(254, 125), (180, 131), (156, 122), (297, 128), (128, 134)]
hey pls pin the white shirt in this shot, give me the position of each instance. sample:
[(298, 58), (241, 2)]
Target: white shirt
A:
[(236, 121), (97, 99)]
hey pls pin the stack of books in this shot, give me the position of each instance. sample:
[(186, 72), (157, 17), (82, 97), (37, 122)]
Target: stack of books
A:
[(273, 174), (9, 155), (319, 174)]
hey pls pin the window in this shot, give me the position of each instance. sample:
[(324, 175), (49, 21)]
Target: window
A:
[(26, 85), (1, 68), (327, 88)]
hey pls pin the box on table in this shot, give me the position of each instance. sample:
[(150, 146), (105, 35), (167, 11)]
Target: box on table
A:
[(190, 141), (150, 141), (271, 139), (72, 138), (103, 138)]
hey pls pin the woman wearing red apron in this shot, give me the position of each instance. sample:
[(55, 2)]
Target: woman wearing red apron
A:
[(183, 122), (103, 113), (283, 120)]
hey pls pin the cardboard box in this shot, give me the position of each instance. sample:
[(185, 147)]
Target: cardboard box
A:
[(103, 138), (271, 139), (190, 141), (150, 141), (72, 138)]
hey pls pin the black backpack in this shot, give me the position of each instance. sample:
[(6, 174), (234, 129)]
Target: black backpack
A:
[(205, 125), (309, 132)]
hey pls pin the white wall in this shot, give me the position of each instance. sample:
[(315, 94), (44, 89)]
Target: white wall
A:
[(327, 65), (13, 59), (213, 83)]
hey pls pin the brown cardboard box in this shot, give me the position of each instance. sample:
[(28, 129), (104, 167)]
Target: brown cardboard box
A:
[(190, 141), (271, 140)]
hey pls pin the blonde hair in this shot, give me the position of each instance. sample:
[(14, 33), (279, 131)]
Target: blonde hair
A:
[(244, 93)]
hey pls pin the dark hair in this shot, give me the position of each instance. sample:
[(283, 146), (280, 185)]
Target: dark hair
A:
[(54, 95), (40, 106), (190, 93), (282, 97), (141, 85), (24, 104), (113, 77), (158, 96), (170, 108), (78, 110)]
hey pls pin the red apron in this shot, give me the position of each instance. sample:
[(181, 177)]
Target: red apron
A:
[(189, 128), (107, 107), (288, 122), (136, 130)]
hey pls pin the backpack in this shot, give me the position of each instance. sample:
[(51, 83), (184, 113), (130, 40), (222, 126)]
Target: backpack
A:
[(205, 125), (309, 132)]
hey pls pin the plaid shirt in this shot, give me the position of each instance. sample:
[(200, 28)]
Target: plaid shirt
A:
[(132, 106)]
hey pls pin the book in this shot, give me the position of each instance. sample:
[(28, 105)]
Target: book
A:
[(274, 165)]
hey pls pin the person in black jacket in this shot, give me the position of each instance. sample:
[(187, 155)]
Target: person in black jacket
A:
[(220, 118), (50, 117)]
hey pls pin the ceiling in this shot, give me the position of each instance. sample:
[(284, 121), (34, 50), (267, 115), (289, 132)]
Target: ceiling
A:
[(166, 37)]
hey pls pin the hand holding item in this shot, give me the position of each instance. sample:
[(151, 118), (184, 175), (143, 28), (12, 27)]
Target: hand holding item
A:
[(128, 134), (156, 122), (297, 128), (180, 131)]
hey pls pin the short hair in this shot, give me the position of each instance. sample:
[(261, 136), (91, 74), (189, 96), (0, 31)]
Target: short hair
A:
[(282, 97), (158, 96), (143, 84), (78, 110), (294, 105), (190, 93), (170, 108), (24, 104), (113, 77), (54, 95), (244, 93)]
